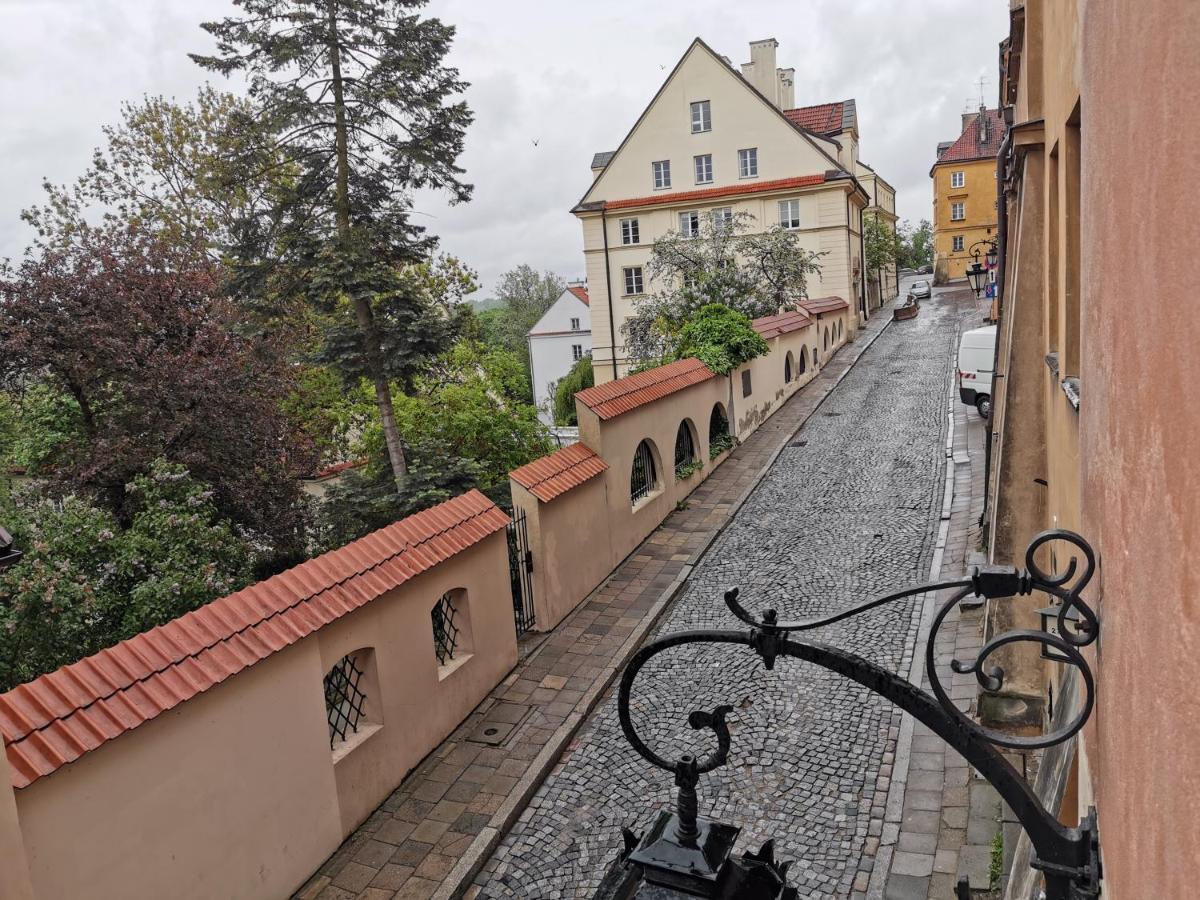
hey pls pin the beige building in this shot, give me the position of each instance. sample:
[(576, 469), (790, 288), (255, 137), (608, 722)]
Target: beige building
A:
[(716, 141)]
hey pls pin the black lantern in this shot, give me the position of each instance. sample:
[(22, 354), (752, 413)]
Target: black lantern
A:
[(976, 277), (991, 256)]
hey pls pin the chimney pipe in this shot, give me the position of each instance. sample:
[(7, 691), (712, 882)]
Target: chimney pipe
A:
[(787, 88), (761, 71)]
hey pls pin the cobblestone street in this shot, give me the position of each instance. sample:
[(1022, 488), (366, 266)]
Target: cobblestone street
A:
[(848, 510)]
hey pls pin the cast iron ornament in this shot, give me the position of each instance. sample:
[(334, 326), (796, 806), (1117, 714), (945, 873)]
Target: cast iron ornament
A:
[(683, 854)]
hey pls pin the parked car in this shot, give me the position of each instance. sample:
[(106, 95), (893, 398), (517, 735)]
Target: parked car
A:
[(976, 356), (921, 289), (925, 270)]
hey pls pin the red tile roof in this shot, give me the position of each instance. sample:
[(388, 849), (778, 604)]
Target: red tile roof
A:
[(730, 190), (338, 468), (557, 473), (624, 394), (968, 146), (824, 118), (581, 293), (55, 719), (783, 323), (817, 305)]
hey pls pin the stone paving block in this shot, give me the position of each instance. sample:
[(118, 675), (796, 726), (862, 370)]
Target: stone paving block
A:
[(374, 853), (906, 863), (917, 843), (906, 887), (354, 877), (391, 877), (417, 889), (975, 861), (946, 861)]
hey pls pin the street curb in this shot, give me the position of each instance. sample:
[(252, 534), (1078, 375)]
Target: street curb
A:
[(458, 880)]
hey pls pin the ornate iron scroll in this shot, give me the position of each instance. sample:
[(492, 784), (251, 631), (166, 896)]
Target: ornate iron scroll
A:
[(1068, 857)]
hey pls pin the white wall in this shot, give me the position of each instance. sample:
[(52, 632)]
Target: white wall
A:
[(550, 353)]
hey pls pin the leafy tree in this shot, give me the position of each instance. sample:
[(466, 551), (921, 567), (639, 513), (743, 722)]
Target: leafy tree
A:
[(154, 364), (882, 245), (720, 337), (85, 583), (916, 244), (359, 95), (42, 422), (522, 297), (755, 274), (579, 378)]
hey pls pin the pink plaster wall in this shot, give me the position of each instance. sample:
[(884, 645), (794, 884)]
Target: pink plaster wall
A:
[(1140, 430)]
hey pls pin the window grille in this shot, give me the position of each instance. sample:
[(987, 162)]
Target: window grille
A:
[(685, 447), (344, 699), (445, 632), (643, 476), (787, 369), (803, 360)]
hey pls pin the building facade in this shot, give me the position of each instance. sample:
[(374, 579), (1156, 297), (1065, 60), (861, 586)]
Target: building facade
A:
[(964, 193), (561, 337), (883, 285), (1094, 424), (718, 141)]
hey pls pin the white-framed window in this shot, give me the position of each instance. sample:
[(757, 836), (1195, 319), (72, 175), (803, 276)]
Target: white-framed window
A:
[(575, 327), (957, 243), (701, 117), (577, 351), (748, 163), (722, 217), (958, 212), (704, 168), (958, 179), (789, 213), (633, 280), (662, 174), (630, 233), (689, 223)]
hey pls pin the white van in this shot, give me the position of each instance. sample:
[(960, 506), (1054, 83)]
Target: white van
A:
[(976, 356)]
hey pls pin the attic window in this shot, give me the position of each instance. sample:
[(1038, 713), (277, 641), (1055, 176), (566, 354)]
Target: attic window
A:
[(662, 174), (701, 117)]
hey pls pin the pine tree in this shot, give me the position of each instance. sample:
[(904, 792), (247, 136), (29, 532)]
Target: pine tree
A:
[(362, 103)]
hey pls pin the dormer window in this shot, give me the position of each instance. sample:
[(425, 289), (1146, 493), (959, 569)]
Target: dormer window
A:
[(701, 117)]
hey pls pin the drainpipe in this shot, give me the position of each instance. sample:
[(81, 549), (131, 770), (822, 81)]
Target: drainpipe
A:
[(862, 267), (1002, 159), (612, 326)]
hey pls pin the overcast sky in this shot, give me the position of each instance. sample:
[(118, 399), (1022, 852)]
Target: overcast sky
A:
[(572, 76)]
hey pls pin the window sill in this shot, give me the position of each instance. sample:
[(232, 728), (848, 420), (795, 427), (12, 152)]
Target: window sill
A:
[(702, 183), (355, 740), (665, 187), (646, 501), (456, 663)]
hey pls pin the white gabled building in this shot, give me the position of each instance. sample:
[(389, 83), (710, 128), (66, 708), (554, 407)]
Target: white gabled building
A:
[(561, 336), (716, 140)]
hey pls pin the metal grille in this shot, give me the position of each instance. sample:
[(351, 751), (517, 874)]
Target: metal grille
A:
[(787, 369), (445, 632), (718, 425), (643, 476), (344, 700), (803, 360), (685, 447), (520, 570)]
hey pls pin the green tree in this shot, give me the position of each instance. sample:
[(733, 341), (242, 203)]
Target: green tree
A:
[(85, 583), (916, 244), (522, 297), (756, 274), (883, 248), (363, 104), (579, 378), (720, 337)]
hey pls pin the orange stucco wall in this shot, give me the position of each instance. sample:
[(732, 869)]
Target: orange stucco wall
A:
[(236, 793), (1139, 430)]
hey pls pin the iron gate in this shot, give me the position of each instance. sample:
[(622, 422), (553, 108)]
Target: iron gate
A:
[(520, 570)]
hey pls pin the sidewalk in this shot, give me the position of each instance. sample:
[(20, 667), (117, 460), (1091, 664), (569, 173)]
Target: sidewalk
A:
[(943, 817), (431, 836)]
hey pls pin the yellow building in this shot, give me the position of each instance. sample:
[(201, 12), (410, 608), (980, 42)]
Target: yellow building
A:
[(964, 193)]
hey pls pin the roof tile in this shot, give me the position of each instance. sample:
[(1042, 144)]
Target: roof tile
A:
[(580, 292), (731, 190), (616, 397), (818, 305), (824, 118), (783, 323), (968, 146), (56, 718), (558, 472)]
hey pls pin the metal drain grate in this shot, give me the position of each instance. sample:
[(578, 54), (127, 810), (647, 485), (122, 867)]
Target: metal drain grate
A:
[(498, 723), (799, 444)]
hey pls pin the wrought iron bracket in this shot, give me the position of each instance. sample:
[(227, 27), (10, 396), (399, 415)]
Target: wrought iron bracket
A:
[(1068, 857)]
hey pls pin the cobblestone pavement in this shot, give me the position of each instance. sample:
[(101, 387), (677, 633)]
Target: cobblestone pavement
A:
[(848, 510), (441, 824)]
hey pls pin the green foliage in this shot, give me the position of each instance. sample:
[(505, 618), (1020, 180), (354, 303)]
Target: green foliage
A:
[(522, 297), (720, 337), (331, 415), (996, 867), (882, 244), (688, 469), (42, 422), (579, 378), (916, 244), (85, 584), (719, 444)]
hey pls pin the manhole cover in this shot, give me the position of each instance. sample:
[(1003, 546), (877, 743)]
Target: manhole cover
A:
[(498, 723)]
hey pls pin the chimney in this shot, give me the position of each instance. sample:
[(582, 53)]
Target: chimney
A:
[(787, 88), (967, 119), (983, 125), (761, 71)]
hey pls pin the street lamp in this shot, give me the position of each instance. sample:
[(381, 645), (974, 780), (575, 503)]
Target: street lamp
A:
[(1049, 616), (977, 275)]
